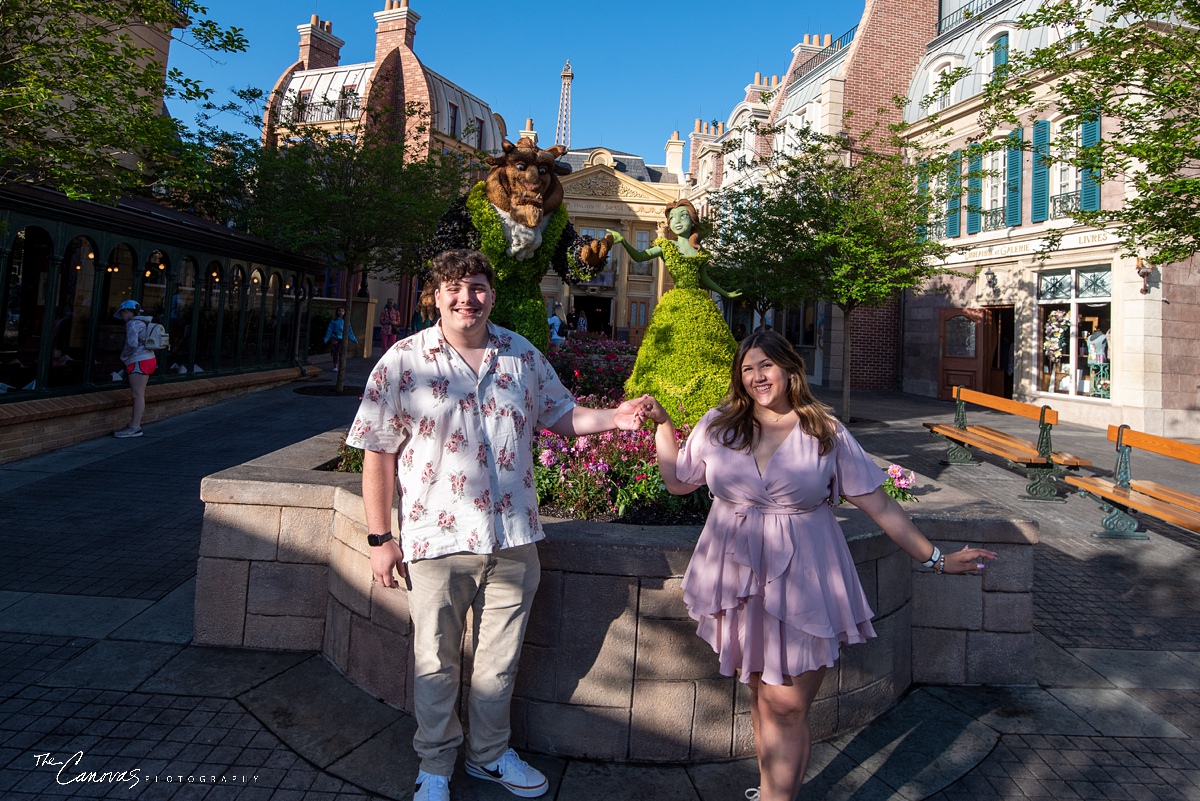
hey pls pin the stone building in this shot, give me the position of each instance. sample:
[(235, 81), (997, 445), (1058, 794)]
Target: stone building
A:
[(856, 74), (1084, 328), (318, 89), (609, 189)]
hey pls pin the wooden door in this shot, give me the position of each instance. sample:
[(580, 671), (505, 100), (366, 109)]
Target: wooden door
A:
[(967, 349), (637, 321)]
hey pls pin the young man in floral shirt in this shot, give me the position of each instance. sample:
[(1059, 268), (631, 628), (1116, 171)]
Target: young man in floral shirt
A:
[(450, 415)]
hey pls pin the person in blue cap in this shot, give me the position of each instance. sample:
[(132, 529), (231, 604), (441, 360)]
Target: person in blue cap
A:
[(140, 362)]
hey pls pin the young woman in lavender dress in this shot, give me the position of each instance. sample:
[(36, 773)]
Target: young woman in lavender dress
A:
[(772, 584)]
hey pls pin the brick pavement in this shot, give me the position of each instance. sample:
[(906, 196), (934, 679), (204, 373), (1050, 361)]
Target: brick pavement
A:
[(120, 519)]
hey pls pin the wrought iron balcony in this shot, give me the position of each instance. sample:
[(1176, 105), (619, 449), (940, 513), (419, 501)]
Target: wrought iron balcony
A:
[(1064, 205), (937, 229), (345, 109), (993, 219), (966, 13), (824, 55)]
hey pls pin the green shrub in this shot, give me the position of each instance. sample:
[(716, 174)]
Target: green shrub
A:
[(685, 357)]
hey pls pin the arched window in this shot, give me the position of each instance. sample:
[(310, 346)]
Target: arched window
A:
[(22, 294), (116, 285), (233, 318), (209, 316), (997, 56), (154, 284), (255, 307), (73, 314), (941, 97)]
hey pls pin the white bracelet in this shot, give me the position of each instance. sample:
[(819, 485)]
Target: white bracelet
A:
[(932, 560)]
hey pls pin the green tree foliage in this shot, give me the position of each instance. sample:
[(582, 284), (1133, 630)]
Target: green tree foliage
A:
[(1134, 64), (360, 195), (836, 220), (81, 93)]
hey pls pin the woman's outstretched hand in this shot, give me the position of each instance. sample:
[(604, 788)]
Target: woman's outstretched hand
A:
[(655, 410), (968, 560)]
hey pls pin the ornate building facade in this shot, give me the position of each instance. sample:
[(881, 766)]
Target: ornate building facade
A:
[(608, 189), (1101, 336)]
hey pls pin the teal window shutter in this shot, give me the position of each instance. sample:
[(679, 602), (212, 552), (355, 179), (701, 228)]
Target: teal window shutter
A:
[(1000, 57), (974, 189), (954, 182), (1089, 180), (1012, 167), (923, 194), (1039, 206)]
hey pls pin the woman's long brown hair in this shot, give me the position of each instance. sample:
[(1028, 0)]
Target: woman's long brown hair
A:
[(695, 237), (735, 425)]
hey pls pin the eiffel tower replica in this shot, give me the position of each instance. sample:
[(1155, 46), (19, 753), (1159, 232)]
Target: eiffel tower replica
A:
[(562, 131)]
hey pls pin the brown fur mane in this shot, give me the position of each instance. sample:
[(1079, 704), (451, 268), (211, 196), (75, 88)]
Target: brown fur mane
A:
[(505, 185)]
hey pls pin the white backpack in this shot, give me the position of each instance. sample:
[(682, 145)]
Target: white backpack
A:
[(156, 337)]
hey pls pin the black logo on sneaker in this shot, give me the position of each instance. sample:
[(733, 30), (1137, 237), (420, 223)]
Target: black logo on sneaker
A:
[(495, 774)]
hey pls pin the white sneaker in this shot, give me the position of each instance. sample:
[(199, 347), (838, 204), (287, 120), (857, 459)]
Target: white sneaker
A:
[(518, 776), (752, 794), (431, 787), (127, 432)]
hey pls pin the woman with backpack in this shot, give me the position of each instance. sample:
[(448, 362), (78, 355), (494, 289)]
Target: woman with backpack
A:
[(139, 361)]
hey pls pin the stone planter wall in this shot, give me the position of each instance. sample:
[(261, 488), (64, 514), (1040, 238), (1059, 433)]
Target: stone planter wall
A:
[(611, 668)]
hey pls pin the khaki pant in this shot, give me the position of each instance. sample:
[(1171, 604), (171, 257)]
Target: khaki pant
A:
[(498, 590)]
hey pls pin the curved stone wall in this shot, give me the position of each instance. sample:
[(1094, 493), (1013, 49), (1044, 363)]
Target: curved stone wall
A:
[(611, 668)]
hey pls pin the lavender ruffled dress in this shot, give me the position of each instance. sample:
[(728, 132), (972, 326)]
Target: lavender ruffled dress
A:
[(771, 583)]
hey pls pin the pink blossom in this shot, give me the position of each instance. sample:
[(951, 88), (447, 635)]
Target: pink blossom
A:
[(546, 457)]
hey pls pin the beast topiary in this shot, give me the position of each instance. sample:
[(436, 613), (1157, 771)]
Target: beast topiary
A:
[(517, 219)]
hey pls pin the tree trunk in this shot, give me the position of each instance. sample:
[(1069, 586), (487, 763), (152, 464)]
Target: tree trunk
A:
[(344, 357), (846, 314)]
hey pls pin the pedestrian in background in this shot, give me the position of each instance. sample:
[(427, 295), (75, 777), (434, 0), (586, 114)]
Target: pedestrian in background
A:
[(426, 314), (140, 363), (334, 336), (389, 324)]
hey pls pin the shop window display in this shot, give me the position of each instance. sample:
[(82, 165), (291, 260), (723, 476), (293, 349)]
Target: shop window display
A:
[(1074, 321)]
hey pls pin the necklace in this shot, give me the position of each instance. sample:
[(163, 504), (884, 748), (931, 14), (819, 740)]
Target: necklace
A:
[(777, 417)]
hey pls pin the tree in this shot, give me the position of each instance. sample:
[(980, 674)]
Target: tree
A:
[(82, 90), (841, 221), (1135, 63), (358, 196)]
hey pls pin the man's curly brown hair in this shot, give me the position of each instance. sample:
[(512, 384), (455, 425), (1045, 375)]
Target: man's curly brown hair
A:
[(454, 265)]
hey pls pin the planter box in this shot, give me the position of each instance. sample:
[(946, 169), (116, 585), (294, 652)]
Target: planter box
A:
[(611, 668)]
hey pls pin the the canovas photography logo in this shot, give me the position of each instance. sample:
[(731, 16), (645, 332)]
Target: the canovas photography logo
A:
[(72, 770)]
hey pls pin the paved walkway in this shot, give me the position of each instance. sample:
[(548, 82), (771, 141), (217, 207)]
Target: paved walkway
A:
[(96, 584)]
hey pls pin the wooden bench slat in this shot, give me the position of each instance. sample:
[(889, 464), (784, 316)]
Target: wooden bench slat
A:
[(1006, 405), (1058, 457), (1104, 488), (986, 444), (1163, 446), (1168, 494)]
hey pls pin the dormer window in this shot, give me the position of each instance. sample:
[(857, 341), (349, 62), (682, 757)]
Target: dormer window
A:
[(452, 128)]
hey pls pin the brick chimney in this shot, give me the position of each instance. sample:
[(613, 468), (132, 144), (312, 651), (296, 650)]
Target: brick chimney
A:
[(395, 26), (319, 48)]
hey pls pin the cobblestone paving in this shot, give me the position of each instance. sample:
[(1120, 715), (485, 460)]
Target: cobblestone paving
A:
[(1089, 593), (131, 512)]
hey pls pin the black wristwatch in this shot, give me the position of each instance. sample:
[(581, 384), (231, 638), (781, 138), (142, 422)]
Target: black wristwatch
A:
[(379, 539)]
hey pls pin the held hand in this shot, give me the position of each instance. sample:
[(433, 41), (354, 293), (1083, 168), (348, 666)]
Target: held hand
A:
[(968, 560), (655, 410), (385, 560), (737, 293), (595, 253), (615, 236), (631, 415)]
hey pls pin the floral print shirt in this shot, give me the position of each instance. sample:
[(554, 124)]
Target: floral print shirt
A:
[(464, 443)]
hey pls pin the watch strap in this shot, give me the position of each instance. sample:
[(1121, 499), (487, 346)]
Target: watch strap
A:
[(375, 540)]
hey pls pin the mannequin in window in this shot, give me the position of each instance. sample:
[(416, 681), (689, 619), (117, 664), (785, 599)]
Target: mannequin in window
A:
[(1097, 347)]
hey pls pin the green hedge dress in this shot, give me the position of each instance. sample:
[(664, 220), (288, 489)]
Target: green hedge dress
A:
[(687, 353)]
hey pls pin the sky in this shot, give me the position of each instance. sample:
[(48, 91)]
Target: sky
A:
[(642, 69)]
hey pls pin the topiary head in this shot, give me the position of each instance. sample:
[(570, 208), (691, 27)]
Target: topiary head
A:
[(682, 220)]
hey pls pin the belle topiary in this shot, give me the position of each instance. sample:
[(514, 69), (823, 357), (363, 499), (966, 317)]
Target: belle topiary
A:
[(687, 352)]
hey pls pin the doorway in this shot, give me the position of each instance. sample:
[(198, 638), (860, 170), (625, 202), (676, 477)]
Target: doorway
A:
[(978, 351), (598, 312)]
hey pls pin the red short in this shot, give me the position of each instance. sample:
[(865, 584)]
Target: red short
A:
[(145, 367)]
